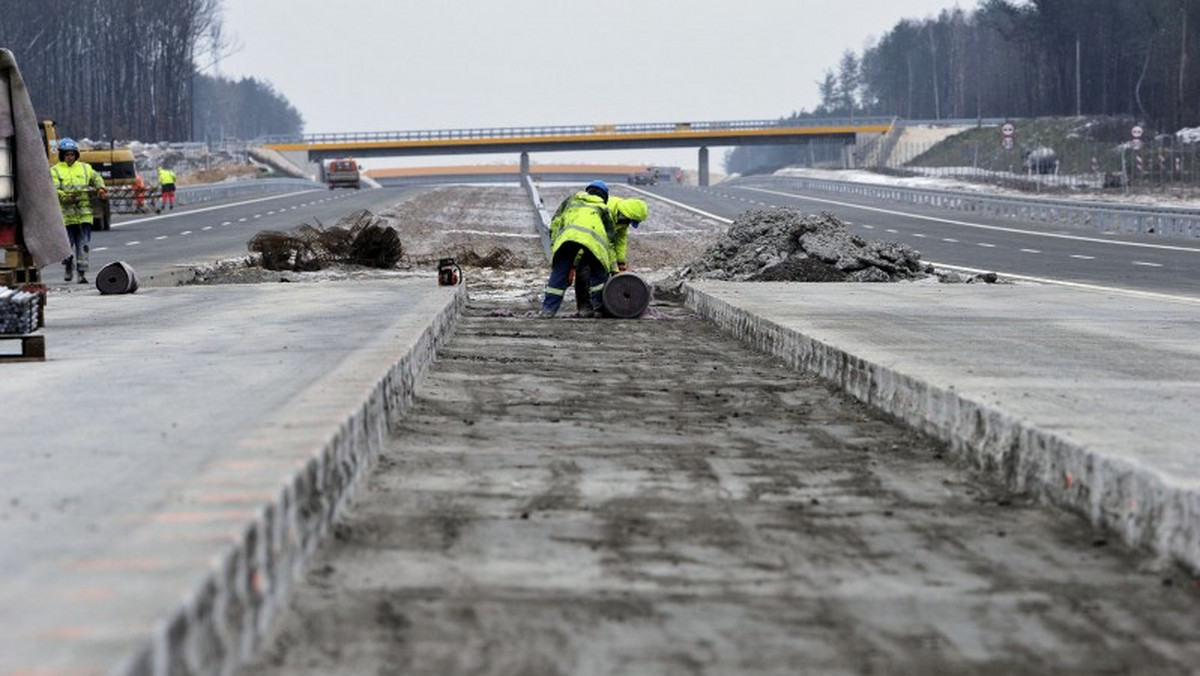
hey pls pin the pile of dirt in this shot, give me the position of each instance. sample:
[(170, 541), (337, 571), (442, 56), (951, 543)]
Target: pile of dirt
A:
[(784, 244), (358, 239)]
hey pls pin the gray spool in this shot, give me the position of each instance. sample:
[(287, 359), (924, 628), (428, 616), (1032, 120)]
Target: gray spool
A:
[(116, 278), (626, 295)]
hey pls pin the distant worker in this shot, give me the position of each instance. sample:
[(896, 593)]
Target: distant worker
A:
[(139, 194), (166, 182), (626, 212), (582, 227), (76, 182)]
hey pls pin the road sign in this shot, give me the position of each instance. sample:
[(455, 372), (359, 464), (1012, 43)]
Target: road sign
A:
[(1137, 131), (1008, 129)]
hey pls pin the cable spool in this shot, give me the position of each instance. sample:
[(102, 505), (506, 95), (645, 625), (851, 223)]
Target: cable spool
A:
[(626, 295), (116, 277)]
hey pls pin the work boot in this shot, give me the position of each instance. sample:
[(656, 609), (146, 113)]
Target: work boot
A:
[(82, 279), (68, 272)]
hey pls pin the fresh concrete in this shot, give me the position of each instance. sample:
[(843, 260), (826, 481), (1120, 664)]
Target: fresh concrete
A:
[(1086, 397), (171, 465)]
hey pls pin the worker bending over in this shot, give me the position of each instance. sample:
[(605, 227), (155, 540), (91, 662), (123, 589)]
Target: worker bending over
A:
[(582, 227), (626, 212)]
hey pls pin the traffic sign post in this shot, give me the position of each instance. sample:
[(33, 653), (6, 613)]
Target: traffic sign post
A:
[(1008, 136)]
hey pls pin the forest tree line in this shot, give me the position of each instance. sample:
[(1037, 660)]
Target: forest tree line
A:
[(1016, 59), (135, 70)]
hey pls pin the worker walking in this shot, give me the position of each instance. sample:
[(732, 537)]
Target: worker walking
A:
[(166, 182), (627, 212), (582, 226), (76, 182)]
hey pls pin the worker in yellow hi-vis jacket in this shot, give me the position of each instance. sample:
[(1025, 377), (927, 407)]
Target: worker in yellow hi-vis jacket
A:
[(76, 182)]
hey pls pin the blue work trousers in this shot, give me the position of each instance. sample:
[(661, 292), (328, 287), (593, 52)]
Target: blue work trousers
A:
[(80, 235), (560, 270)]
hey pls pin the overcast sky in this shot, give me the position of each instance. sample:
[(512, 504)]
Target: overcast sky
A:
[(383, 65)]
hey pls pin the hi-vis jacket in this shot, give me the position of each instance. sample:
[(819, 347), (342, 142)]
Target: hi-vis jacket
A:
[(166, 176), (625, 211), (75, 184), (584, 218)]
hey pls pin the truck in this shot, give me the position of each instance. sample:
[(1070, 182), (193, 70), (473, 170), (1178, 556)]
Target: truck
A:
[(343, 173), (115, 165)]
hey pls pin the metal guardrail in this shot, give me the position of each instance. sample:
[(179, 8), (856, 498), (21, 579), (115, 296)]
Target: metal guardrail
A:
[(192, 194), (575, 130), (1165, 221), (543, 217)]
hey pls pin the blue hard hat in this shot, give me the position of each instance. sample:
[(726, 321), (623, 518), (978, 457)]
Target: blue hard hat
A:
[(66, 144), (598, 188)]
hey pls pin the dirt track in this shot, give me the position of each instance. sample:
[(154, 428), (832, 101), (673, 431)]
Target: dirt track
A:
[(674, 503), (651, 497)]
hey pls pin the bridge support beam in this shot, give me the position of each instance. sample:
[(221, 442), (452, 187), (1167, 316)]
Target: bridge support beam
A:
[(703, 166), (524, 165)]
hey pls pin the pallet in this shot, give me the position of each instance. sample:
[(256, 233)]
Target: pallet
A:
[(33, 348)]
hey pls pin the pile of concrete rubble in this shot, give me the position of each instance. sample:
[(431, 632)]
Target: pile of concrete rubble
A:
[(783, 244)]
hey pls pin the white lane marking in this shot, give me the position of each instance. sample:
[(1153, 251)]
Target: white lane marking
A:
[(950, 239), (186, 232), (243, 219), (997, 228), (207, 227), (869, 227), (1191, 300), (495, 234), (100, 248), (1031, 251), (258, 215), (204, 209), (226, 223), (1083, 258), (892, 231), (161, 237), (681, 205), (918, 235), (986, 245), (133, 243), (1148, 264)]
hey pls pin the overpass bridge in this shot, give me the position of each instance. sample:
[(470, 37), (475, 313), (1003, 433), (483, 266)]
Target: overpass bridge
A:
[(524, 140)]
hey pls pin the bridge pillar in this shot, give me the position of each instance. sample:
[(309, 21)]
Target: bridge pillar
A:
[(703, 165), (524, 165)]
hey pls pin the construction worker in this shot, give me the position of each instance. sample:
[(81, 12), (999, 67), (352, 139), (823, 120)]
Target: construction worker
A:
[(76, 183), (626, 212), (139, 194), (582, 225), (166, 182)]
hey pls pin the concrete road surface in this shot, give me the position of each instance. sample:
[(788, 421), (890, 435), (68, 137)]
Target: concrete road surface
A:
[(166, 469), (658, 497)]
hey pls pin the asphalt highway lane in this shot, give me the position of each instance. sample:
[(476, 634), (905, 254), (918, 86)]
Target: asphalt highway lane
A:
[(979, 242), (205, 233)]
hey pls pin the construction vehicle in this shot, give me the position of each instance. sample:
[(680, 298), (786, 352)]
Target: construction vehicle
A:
[(343, 173), (647, 177), (126, 194)]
